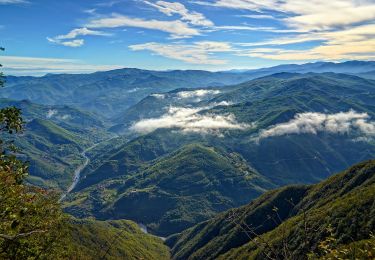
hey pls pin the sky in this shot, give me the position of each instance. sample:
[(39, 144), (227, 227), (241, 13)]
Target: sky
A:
[(75, 36)]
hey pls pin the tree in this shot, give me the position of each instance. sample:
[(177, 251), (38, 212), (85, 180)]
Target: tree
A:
[(32, 224)]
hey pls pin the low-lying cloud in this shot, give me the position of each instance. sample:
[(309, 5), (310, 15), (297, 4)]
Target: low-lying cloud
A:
[(158, 96), (200, 93), (313, 123), (189, 120), (51, 113)]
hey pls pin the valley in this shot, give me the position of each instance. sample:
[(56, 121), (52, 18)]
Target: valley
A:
[(182, 151)]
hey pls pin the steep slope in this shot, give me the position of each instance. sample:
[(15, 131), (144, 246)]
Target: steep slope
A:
[(69, 118), (53, 138), (175, 191), (53, 153), (120, 239), (281, 99), (116, 180), (266, 103), (127, 159), (295, 218)]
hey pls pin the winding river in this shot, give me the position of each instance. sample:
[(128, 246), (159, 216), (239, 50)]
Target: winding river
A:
[(77, 172)]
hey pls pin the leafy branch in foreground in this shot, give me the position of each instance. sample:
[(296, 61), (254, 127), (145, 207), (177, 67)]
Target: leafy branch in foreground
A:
[(32, 225), (328, 248)]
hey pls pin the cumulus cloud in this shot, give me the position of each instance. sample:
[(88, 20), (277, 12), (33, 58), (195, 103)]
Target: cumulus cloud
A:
[(170, 8), (197, 94), (189, 120), (51, 113), (313, 123)]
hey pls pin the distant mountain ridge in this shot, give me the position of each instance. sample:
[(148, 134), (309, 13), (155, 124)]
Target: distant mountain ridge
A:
[(112, 92), (349, 67)]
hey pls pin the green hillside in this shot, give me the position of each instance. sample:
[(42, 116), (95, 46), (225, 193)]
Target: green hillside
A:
[(175, 191), (169, 180), (121, 239), (53, 153), (293, 219)]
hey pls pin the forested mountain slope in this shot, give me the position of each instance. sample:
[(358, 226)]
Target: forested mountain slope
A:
[(297, 218)]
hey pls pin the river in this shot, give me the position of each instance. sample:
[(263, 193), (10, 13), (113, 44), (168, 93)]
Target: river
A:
[(78, 171)]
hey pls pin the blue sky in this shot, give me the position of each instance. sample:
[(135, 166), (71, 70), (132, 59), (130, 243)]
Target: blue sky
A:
[(44, 36)]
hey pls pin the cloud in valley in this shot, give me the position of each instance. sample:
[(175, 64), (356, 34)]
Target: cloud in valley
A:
[(158, 96), (189, 120), (313, 123), (51, 113), (197, 94)]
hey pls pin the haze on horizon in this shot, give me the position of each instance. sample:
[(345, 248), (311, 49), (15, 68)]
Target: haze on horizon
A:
[(42, 36)]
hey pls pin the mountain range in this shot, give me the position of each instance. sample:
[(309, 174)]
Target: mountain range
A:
[(178, 152)]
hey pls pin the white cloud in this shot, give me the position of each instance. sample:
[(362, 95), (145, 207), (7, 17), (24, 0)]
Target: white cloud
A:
[(62, 39), (158, 96), (170, 8), (15, 65), (257, 16), (74, 43), (221, 103), (90, 11), (64, 117), (253, 28), (80, 32), (312, 123), (51, 113), (341, 29), (196, 53), (4, 2), (354, 43), (176, 28), (312, 15), (189, 120), (197, 94)]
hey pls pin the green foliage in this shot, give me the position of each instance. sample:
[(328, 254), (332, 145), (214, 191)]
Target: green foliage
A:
[(119, 239), (175, 191), (330, 248), (31, 220), (53, 141), (32, 223), (292, 219)]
